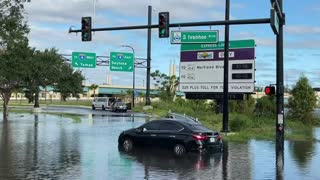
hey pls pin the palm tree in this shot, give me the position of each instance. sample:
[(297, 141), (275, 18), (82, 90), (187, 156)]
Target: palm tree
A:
[(94, 87)]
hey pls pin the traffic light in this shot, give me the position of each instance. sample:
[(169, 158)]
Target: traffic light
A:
[(164, 24), (270, 90), (86, 29)]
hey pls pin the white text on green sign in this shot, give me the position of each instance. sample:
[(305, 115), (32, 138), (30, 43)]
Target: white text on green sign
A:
[(83, 60), (120, 61), (193, 37)]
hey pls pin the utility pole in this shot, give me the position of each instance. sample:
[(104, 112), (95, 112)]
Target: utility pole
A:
[(280, 123), (148, 101), (226, 72)]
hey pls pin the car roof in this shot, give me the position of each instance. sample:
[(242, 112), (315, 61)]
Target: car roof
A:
[(180, 121)]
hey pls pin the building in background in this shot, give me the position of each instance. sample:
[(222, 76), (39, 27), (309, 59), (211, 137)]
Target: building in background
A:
[(172, 69)]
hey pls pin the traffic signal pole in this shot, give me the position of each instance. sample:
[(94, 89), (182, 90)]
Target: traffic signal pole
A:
[(148, 101), (226, 73), (280, 93)]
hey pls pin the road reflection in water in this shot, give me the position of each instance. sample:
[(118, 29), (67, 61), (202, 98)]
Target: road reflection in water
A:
[(157, 161), (53, 147)]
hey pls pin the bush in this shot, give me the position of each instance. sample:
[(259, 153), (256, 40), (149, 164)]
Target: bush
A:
[(238, 123), (266, 106), (242, 106)]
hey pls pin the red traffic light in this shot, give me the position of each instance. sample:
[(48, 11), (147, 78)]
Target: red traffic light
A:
[(270, 90)]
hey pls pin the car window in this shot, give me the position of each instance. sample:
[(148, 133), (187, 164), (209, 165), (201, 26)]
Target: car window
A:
[(198, 127), (101, 100), (154, 125), (169, 126)]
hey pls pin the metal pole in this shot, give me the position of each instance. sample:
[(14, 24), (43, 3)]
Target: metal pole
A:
[(226, 72), (134, 78), (148, 102), (133, 73), (280, 89), (280, 108), (186, 24), (94, 12)]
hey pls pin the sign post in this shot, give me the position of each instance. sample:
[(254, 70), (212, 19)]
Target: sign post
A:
[(120, 61)]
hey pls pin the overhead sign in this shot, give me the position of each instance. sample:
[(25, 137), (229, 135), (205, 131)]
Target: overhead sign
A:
[(187, 37), (120, 61), (201, 70), (220, 45), (274, 21), (83, 60)]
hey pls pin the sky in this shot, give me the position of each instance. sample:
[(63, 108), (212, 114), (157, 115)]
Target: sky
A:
[(50, 20)]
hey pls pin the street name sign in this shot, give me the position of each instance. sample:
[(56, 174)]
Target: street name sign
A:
[(274, 21), (121, 61), (193, 37), (83, 60), (201, 67)]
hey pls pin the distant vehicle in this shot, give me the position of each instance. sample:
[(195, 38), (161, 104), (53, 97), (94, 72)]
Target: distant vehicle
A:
[(179, 135), (102, 103), (118, 106)]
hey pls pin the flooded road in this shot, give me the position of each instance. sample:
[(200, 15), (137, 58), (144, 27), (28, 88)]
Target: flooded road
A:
[(52, 147)]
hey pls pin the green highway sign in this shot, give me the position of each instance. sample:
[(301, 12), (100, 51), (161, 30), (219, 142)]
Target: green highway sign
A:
[(83, 60), (193, 37), (220, 45), (120, 61)]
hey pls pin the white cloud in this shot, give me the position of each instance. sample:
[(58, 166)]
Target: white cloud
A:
[(302, 29)]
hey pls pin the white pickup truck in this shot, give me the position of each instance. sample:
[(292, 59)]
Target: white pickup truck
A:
[(102, 103)]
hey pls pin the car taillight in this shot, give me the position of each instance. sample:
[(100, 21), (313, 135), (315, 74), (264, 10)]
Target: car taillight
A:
[(219, 137), (198, 137)]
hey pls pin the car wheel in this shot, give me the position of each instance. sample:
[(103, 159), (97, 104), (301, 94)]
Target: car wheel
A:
[(127, 144), (93, 108), (179, 150), (103, 108)]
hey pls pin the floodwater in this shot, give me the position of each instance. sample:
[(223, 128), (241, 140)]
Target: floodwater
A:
[(53, 147)]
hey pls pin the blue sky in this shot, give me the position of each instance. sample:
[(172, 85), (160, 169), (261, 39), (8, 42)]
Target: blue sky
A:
[(50, 20)]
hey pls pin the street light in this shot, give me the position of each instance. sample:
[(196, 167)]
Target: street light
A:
[(134, 74)]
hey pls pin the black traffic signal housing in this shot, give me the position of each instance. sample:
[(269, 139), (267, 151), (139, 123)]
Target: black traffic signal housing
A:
[(164, 24), (270, 90), (86, 33)]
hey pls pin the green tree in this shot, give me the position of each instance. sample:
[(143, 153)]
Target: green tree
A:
[(94, 87), (302, 101), (69, 82), (44, 71), (167, 85), (14, 49)]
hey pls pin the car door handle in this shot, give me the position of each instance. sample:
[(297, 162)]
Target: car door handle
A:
[(153, 135), (172, 136)]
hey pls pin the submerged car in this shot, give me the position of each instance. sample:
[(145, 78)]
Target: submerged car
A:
[(179, 135)]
